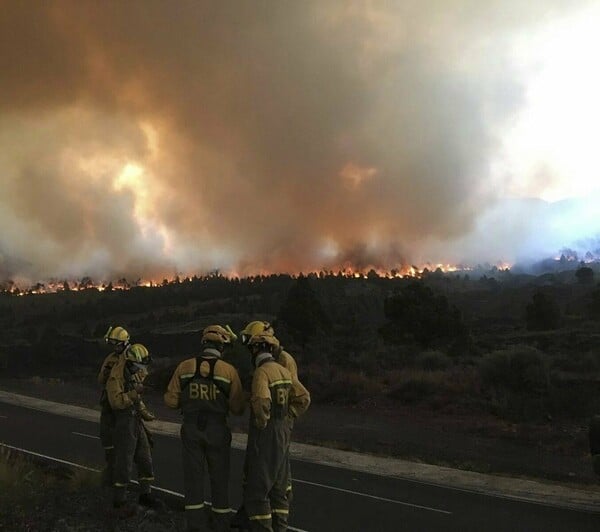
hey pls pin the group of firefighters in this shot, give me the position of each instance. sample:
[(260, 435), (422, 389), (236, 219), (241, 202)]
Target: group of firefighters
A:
[(207, 389)]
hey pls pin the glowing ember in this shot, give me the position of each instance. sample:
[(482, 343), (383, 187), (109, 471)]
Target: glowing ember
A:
[(347, 271)]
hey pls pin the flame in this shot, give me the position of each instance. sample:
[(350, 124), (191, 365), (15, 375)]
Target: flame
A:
[(347, 271)]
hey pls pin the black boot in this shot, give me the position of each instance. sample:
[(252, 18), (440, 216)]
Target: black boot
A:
[(150, 501), (123, 510), (240, 520)]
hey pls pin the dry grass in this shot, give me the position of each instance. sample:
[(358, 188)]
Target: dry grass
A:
[(22, 480), (18, 477)]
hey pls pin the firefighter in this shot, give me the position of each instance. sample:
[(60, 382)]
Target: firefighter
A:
[(132, 442), (206, 388), (276, 399), (279, 353), (284, 358), (119, 338)]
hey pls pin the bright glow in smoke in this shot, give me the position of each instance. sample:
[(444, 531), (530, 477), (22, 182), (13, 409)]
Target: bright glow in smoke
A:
[(552, 150), (368, 128)]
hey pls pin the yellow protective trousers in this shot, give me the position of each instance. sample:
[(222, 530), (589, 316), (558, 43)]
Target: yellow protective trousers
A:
[(266, 491), (107, 427), (206, 448), (131, 445)]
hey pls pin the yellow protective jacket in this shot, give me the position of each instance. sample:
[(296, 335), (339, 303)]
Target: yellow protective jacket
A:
[(267, 376), (106, 368), (223, 372), (287, 361), (119, 395)]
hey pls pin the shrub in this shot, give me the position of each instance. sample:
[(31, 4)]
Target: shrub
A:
[(542, 313), (432, 360), (416, 312), (517, 380), (585, 275), (577, 362), (573, 399), (519, 369), (333, 387), (593, 305), (437, 388), (302, 311), (416, 386)]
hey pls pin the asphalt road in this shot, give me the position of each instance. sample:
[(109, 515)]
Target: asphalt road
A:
[(325, 498)]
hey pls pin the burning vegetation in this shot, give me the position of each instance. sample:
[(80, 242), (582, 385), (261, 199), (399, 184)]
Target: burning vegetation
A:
[(347, 271)]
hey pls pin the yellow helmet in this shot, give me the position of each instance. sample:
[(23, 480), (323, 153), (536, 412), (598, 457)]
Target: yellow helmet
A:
[(218, 334), (137, 353), (266, 338), (254, 328), (116, 335)]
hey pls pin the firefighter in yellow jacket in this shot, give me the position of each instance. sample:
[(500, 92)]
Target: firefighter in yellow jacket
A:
[(276, 400), (280, 355), (206, 389), (284, 358), (119, 338), (131, 438)]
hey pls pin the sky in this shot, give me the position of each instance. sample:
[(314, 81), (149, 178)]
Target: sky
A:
[(148, 139)]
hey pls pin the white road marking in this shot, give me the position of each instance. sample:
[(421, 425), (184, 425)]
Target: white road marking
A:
[(525, 491), (86, 435), (87, 468), (59, 460), (4, 417), (358, 493), (402, 503)]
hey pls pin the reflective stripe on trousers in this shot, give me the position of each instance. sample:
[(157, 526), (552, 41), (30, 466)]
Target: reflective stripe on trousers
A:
[(206, 452), (265, 494), (131, 445)]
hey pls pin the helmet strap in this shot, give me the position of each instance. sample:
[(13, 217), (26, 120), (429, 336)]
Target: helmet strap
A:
[(217, 346), (121, 346)]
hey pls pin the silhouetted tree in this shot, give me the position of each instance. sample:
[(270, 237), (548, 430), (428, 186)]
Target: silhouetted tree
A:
[(585, 275), (416, 312), (302, 312), (594, 303), (542, 313)]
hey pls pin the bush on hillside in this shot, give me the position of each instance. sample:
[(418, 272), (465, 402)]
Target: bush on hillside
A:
[(417, 313), (577, 362), (542, 313), (329, 386), (302, 312), (517, 381), (519, 369), (432, 360)]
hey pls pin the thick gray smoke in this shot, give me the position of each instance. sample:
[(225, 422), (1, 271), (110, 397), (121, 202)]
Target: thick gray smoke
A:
[(145, 138)]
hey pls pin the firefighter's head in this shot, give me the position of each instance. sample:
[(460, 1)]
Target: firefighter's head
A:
[(254, 328), (217, 337), (265, 342), (118, 337), (138, 357)]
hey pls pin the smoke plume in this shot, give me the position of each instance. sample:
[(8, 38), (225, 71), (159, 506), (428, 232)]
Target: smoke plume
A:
[(146, 138)]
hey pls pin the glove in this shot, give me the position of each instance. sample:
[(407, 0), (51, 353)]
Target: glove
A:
[(146, 415)]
